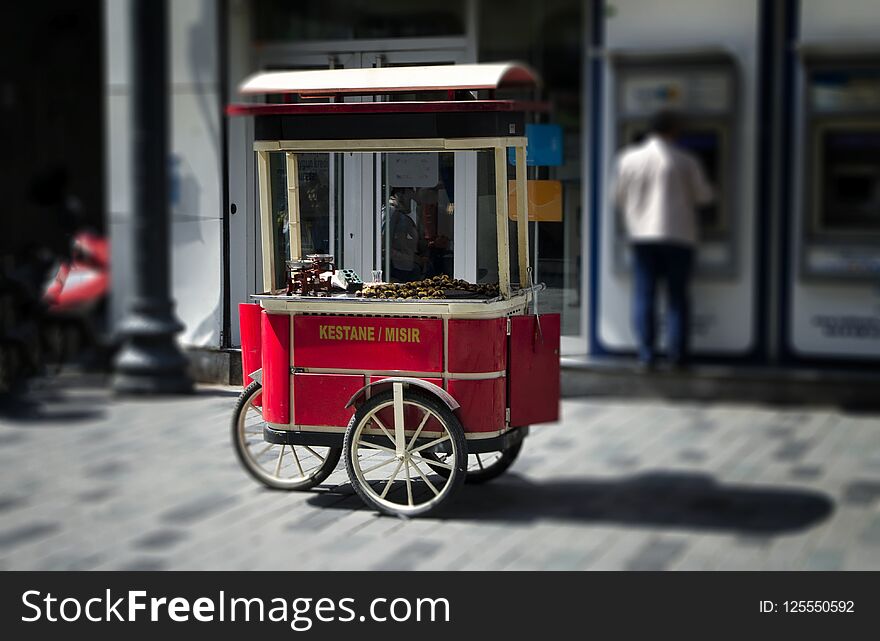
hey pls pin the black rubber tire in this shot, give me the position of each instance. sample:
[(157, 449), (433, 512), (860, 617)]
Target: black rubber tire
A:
[(499, 467), (326, 469), (456, 432)]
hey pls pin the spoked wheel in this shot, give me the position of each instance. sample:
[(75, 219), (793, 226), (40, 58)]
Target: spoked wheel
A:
[(485, 466), (391, 449), (283, 467)]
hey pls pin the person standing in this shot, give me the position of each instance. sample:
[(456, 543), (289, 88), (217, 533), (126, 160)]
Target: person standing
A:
[(658, 188), (408, 246)]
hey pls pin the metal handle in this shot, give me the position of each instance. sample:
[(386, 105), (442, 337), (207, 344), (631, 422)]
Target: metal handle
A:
[(535, 289)]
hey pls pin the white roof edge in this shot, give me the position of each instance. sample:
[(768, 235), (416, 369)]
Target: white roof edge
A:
[(392, 79)]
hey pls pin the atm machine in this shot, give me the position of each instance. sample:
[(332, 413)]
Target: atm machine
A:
[(703, 87), (834, 273)]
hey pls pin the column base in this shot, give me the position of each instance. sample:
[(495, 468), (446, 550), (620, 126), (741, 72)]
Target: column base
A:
[(150, 361)]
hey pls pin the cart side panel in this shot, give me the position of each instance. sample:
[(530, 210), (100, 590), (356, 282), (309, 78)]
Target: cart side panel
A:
[(482, 403), (368, 343), (478, 345), (319, 399), (276, 367), (251, 352), (534, 369)]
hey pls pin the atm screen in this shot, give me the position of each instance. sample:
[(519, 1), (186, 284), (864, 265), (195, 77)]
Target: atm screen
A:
[(849, 167), (706, 144)]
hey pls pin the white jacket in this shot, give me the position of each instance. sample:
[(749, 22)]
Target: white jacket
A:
[(658, 187)]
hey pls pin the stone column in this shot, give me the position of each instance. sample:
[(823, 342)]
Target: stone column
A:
[(150, 360)]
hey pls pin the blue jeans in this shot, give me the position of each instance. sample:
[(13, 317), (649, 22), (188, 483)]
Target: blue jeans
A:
[(673, 263)]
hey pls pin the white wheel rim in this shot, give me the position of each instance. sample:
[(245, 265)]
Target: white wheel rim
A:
[(277, 465), (403, 483), (481, 462)]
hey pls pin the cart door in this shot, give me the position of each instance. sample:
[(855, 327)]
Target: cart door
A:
[(533, 372)]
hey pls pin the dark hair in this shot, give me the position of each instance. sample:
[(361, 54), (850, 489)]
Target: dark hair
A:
[(666, 123), (400, 191)]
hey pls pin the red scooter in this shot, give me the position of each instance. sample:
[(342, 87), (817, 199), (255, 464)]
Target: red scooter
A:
[(76, 299)]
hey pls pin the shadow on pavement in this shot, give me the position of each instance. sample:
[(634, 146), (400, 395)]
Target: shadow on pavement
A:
[(656, 499), (25, 410), (59, 400), (218, 392)]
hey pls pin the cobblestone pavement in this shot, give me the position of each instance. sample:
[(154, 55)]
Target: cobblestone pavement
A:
[(89, 482)]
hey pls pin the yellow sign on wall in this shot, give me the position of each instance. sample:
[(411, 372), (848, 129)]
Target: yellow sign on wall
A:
[(545, 200)]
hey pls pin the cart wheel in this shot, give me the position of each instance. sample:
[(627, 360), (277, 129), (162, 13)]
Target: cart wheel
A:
[(486, 465), (283, 467), (420, 427)]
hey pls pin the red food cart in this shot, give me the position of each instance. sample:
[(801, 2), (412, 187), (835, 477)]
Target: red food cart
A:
[(419, 388)]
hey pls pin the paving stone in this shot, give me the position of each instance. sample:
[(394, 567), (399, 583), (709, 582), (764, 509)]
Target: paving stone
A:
[(110, 470), (873, 462), (410, 555), (871, 534), (8, 439), (97, 495), (198, 508), (623, 461), (73, 562), (11, 502), (327, 515), (862, 493), (656, 555), (703, 425), (566, 559), (792, 450), (525, 465), (26, 533), (754, 541), (618, 548), (775, 490), (806, 472), (825, 560), (692, 456), (160, 539), (780, 431), (143, 565)]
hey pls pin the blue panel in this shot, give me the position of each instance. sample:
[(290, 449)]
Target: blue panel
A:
[(545, 146)]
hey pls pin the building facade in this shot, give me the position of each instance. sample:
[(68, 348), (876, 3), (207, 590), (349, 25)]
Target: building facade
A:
[(782, 101)]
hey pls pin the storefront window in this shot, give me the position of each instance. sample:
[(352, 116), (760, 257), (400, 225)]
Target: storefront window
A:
[(417, 215), (547, 35), (487, 231), (418, 211), (319, 212), (278, 207)]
